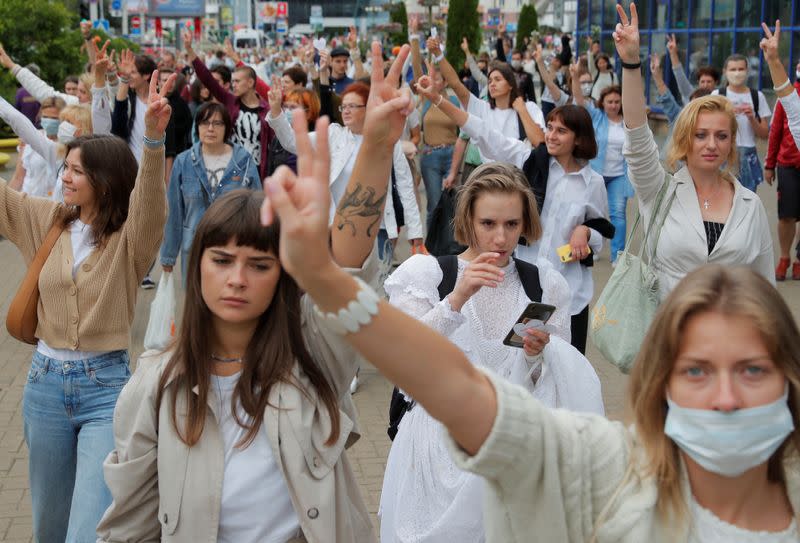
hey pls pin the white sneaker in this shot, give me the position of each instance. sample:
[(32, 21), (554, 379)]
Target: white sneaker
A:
[(354, 384)]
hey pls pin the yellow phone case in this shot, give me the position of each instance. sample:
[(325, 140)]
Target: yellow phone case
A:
[(565, 253)]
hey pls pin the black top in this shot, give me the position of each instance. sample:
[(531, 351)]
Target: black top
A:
[(713, 233)]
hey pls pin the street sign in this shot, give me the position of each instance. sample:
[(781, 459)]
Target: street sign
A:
[(136, 25), (101, 23), (316, 20), (282, 27), (116, 5), (283, 9), (267, 12)]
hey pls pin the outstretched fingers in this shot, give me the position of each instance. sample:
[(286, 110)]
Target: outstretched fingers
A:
[(397, 66), (322, 158), (377, 63), (305, 151), (277, 203)]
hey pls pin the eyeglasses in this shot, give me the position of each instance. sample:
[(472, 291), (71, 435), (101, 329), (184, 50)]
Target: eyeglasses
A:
[(349, 107), (215, 124)]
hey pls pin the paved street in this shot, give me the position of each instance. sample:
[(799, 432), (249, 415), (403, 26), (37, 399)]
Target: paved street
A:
[(372, 398)]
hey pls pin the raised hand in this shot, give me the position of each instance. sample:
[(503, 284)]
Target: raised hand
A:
[(626, 35), (575, 70), (425, 87), (86, 29), (672, 44), (538, 56), (655, 65), (5, 60), (301, 201), (102, 61), (481, 272), (158, 109), (433, 46), (126, 63), (187, 45), (324, 59), (275, 96), (352, 38), (465, 46), (388, 104), (769, 44), (231, 52)]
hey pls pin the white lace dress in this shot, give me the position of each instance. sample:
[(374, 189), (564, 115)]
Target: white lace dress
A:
[(425, 497)]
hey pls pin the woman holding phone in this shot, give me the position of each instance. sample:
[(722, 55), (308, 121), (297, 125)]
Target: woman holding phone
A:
[(425, 498)]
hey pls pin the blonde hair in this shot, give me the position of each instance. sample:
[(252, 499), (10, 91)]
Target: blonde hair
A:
[(80, 115), (683, 134), (88, 81), (495, 177), (736, 291)]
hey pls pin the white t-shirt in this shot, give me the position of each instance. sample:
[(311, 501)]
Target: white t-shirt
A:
[(708, 527), (256, 506), (136, 139), (216, 165), (505, 121), (39, 178), (339, 184), (745, 136), (614, 164)]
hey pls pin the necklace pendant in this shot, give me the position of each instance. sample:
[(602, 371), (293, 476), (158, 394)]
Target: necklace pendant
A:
[(706, 205)]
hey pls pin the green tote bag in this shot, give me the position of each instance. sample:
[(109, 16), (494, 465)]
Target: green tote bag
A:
[(625, 308)]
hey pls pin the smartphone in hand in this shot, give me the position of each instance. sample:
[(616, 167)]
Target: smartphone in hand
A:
[(534, 311)]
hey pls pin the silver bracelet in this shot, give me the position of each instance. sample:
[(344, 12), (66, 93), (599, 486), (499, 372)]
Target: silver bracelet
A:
[(356, 314)]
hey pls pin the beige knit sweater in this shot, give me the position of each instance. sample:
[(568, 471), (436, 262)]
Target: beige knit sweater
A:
[(94, 311)]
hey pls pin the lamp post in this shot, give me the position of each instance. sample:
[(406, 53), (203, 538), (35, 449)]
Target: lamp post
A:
[(430, 4)]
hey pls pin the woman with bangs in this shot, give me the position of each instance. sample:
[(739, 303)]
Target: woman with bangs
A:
[(704, 213), (570, 195), (214, 166), (238, 432)]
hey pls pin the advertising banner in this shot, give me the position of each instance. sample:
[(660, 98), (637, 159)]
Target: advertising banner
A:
[(177, 8)]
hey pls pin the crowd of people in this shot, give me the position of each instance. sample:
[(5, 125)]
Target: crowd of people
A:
[(284, 186)]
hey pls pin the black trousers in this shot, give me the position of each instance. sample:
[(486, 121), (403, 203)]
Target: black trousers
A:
[(580, 327)]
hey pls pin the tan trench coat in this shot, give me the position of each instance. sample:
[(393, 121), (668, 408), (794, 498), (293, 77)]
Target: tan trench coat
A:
[(166, 491)]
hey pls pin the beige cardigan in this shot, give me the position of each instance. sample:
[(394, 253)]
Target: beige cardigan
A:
[(93, 311), (166, 491), (550, 473)]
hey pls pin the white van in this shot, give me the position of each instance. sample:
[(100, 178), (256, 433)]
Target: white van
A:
[(248, 38)]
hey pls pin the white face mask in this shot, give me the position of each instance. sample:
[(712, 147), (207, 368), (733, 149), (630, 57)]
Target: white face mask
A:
[(66, 132), (586, 89), (730, 443), (736, 78), (516, 64), (797, 75)]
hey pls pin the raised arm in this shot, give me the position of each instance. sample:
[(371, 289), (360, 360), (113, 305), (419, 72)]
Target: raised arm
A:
[(665, 98), (684, 86), (474, 70), (547, 76), (355, 54), (575, 81), (101, 108), (204, 75), (780, 80), (590, 58), (450, 75), (533, 131), (23, 127)]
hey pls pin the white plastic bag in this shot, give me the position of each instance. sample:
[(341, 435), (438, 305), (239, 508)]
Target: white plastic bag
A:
[(161, 326)]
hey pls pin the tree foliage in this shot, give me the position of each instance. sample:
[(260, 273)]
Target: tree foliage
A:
[(463, 21), (398, 14), (528, 22)]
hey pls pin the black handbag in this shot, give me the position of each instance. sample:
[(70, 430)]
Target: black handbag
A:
[(440, 240)]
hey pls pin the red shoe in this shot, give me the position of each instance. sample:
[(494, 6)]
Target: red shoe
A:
[(782, 268), (796, 271)]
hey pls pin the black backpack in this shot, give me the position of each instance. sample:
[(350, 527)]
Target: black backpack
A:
[(723, 91), (528, 275)]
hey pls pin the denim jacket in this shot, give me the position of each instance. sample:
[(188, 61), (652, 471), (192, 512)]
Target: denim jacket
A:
[(600, 122), (189, 195)]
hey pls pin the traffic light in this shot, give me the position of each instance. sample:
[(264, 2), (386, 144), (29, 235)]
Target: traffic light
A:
[(83, 7)]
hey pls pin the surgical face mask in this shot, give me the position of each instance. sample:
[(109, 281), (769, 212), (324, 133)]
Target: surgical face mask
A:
[(50, 126), (288, 112), (586, 89), (736, 78), (66, 132), (797, 75), (730, 443), (516, 64)]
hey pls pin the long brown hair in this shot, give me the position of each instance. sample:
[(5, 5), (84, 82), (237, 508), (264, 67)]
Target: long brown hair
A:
[(277, 343), (508, 74), (111, 168), (734, 291)]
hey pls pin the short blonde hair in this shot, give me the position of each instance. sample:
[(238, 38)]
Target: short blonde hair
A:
[(683, 134), (736, 291), (495, 177), (79, 115)]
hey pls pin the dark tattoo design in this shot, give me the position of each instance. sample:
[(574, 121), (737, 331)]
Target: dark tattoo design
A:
[(360, 202)]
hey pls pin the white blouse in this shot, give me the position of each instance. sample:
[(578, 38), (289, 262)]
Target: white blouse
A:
[(707, 528)]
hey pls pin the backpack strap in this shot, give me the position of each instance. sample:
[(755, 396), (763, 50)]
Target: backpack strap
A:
[(449, 265), (754, 98), (529, 276), (522, 135)]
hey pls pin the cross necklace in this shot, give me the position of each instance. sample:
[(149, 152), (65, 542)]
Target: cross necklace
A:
[(707, 200)]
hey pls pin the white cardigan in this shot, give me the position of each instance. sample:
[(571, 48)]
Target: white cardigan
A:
[(682, 246), (342, 144), (551, 472)]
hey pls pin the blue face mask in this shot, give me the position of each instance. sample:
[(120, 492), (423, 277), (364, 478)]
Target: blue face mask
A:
[(50, 126), (730, 443), (288, 112)]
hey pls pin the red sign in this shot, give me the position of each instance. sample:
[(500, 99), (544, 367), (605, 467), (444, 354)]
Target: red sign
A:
[(283, 9), (136, 21), (159, 28), (197, 28)]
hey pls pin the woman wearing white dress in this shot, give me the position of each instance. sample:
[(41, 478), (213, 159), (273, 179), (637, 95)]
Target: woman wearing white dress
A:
[(425, 497)]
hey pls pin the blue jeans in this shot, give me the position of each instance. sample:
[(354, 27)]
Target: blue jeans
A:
[(435, 166), (385, 247), (68, 413), (750, 173), (619, 189)]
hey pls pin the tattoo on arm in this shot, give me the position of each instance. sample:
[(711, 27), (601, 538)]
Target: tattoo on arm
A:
[(360, 202)]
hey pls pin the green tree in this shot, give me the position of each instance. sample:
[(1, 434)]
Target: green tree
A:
[(528, 22), (463, 21), (398, 14), (43, 32)]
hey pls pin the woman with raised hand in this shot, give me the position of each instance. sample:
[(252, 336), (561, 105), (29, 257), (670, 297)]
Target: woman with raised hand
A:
[(570, 195), (238, 432), (705, 214), (790, 100), (722, 354), (111, 223)]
